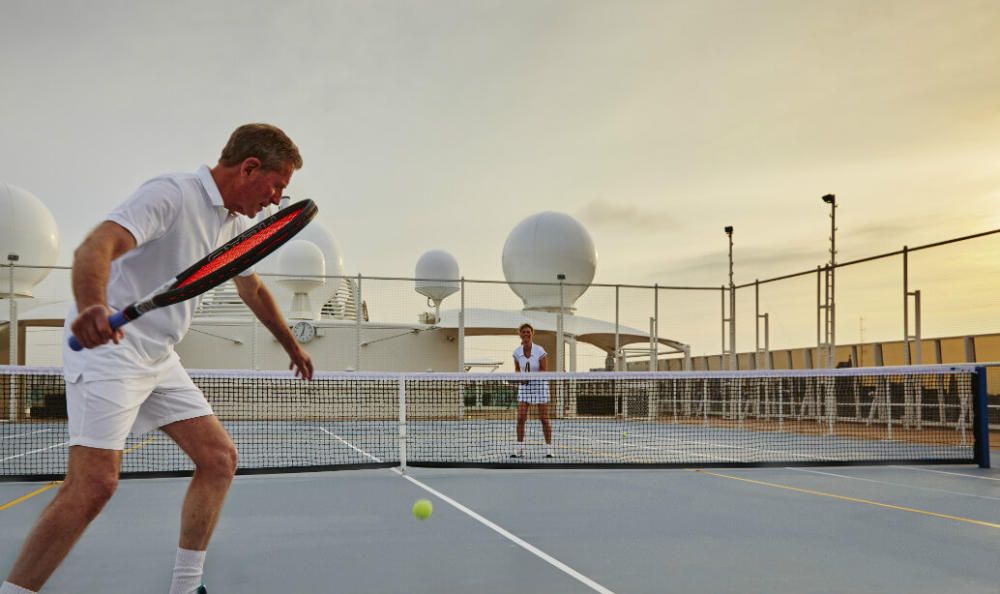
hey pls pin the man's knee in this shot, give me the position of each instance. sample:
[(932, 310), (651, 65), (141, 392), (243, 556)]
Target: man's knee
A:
[(220, 462), (91, 493)]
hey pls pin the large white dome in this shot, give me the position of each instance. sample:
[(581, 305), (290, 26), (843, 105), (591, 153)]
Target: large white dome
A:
[(543, 246), (27, 229)]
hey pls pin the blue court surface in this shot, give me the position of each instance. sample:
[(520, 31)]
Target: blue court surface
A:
[(878, 529)]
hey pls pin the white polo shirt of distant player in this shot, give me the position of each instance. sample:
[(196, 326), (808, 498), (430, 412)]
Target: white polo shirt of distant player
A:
[(532, 363), (176, 219)]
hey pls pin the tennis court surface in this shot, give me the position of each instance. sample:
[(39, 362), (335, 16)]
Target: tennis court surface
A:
[(837, 481)]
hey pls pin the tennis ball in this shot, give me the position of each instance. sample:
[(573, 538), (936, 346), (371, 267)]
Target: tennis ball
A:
[(624, 433), (422, 509)]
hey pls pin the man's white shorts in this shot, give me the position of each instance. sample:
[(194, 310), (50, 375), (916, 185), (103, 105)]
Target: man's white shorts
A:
[(103, 412)]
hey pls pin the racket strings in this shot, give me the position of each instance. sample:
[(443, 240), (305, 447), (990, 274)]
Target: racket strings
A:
[(238, 250)]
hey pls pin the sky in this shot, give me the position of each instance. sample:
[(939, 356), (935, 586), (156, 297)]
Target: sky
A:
[(442, 124)]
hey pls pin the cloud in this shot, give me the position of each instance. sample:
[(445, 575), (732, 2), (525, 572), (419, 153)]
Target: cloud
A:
[(603, 213), (749, 263)]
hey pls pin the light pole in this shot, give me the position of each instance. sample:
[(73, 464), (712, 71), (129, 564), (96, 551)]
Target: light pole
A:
[(829, 306), (732, 303)]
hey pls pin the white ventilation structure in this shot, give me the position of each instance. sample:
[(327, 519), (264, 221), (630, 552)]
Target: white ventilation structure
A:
[(343, 304), (222, 302)]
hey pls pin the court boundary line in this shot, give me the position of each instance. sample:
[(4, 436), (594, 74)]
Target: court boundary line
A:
[(593, 585), (24, 434), (23, 454), (891, 484), (973, 476), (28, 496), (853, 499)]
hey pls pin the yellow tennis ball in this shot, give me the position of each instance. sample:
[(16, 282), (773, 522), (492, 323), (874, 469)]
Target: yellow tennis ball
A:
[(624, 433), (422, 509)]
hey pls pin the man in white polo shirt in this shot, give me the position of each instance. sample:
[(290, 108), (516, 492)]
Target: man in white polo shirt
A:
[(137, 383)]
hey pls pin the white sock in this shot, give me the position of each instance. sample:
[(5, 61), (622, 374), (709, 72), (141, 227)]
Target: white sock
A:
[(187, 571), (9, 588)]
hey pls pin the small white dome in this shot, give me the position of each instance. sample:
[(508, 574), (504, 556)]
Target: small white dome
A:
[(437, 275), (29, 230), (543, 246), (321, 237), (301, 262)]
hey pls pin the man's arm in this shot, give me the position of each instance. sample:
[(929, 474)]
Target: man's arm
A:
[(91, 268), (255, 294)]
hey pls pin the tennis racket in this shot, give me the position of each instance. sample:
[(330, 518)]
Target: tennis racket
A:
[(221, 265)]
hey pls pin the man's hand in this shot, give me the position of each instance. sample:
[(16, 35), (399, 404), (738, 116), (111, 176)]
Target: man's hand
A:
[(301, 363), (91, 327)]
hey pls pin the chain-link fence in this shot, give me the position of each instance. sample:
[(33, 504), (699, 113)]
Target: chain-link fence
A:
[(937, 303)]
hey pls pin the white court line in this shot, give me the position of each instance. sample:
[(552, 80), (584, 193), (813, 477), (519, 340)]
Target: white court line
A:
[(868, 480), (975, 476), (33, 451), (350, 445), (511, 537), (506, 534), (23, 434)]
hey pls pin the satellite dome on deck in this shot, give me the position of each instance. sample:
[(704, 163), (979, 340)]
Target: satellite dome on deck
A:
[(317, 234), (303, 266), (540, 248), (28, 229), (437, 275)]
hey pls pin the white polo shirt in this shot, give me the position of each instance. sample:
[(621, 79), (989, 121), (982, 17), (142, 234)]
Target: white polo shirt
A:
[(176, 220)]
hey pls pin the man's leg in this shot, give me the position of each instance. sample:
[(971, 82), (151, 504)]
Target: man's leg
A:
[(206, 442), (90, 482)]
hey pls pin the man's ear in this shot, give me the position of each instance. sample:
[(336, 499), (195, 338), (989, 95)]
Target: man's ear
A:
[(249, 165)]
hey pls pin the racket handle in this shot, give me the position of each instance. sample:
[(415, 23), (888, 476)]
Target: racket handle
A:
[(116, 321)]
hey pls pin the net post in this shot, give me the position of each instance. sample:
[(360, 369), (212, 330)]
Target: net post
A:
[(402, 424), (981, 421)]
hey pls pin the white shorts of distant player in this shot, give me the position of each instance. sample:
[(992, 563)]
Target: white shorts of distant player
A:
[(533, 392)]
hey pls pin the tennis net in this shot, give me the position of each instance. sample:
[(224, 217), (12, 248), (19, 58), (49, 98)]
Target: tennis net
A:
[(929, 414)]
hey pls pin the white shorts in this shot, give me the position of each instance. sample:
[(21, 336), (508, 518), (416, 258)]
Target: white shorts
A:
[(102, 413), (533, 392)]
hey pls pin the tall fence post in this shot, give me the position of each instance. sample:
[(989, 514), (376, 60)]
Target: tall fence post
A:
[(618, 346), (656, 326), (560, 329), (357, 325), (724, 362), (12, 311), (906, 307), (461, 327), (12, 329)]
